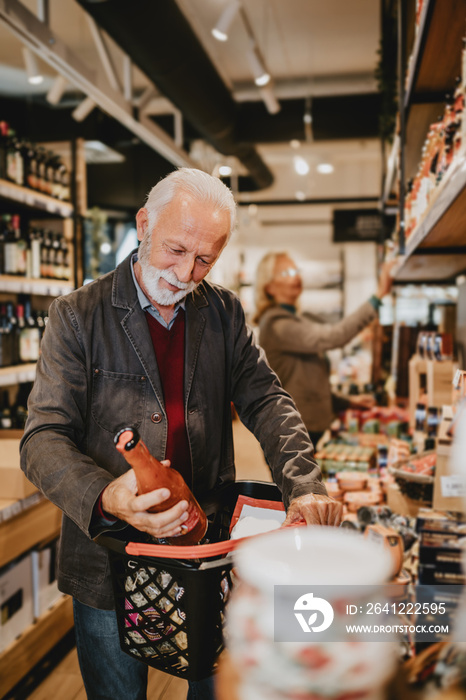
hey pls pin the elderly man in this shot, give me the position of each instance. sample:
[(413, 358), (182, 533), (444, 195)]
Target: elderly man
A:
[(154, 345)]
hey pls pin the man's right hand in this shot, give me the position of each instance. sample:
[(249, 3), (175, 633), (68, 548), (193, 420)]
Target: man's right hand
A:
[(120, 499)]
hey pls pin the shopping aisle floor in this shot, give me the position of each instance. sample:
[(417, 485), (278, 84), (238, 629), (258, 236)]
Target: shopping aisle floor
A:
[(64, 682)]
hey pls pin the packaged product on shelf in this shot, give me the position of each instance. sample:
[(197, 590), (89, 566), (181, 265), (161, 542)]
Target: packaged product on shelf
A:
[(45, 587), (16, 600)]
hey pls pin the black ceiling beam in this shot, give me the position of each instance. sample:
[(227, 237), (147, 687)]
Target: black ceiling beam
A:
[(336, 117)]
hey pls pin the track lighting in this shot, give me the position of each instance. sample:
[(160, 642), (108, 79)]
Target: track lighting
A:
[(261, 77), (269, 99), (83, 109), (56, 90), (35, 77), (256, 61), (220, 31)]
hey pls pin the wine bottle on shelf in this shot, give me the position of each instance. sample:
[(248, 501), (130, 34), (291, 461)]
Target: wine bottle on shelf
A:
[(46, 255), (6, 420), (19, 408), (151, 475), (31, 332), (57, 257), (66, 259), (3, 148), (9, 266), (63, 176), (40, 323), (35, 240), (21, 246), (14, 159), (22, 335), (6, 339), (12, 322), (2, 246), (31, 168)]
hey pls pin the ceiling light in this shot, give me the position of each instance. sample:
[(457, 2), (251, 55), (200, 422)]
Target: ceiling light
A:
[(269, 99), (307, 118), (98, 152), (261, 77), (300, 196), (301, 166), (35, 77), (220, 31), (325, 168), (225, 170), (56, 91), (83, 109)]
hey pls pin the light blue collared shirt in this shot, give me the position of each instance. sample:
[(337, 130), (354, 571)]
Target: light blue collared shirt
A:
[(146, 304)]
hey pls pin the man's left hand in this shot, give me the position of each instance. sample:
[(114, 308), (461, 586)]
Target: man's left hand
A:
[(315, 509)]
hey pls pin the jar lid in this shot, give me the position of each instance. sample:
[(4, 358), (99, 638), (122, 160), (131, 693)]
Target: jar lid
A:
[(313, 555)]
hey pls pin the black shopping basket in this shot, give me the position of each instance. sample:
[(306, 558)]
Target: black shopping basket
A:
[(170, 600)]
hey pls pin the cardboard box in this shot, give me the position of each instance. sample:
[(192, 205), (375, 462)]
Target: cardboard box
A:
[(448, 486), (13, 483), (16, 600), (45, 588), (401, 504)]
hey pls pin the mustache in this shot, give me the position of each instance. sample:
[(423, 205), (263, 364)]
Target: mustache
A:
[(170, 277)]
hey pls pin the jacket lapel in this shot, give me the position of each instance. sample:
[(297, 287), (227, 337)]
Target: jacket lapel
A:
[(134, 324), (195, 322)]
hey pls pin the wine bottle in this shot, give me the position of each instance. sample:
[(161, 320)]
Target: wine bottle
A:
[(151, 475), (6, 421), (3, 148)]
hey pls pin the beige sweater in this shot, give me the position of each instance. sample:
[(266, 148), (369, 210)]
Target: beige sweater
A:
[(295, 347)]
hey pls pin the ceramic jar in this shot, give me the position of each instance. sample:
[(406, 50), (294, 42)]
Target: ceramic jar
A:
[(313, 670)]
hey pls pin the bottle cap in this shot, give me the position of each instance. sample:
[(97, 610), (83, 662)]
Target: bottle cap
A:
[(126, 441)]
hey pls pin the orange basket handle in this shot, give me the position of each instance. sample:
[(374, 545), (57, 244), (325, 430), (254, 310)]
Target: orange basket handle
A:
[(198, 551)]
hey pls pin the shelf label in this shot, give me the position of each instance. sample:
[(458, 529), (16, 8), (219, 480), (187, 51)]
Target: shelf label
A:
[(453, 486)]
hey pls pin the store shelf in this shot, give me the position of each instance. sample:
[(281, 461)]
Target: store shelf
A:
[(434, 66), (17, 374), (35, 642), (436, 56), (31, 526), (28, 285), (436, 250), (35, 200)]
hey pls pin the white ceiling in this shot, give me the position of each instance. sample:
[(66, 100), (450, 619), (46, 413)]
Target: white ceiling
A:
[(311, 47)]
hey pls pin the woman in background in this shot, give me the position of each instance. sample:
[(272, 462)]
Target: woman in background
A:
[(295, 344)]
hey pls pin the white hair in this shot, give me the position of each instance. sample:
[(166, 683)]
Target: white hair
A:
[(196, 183)]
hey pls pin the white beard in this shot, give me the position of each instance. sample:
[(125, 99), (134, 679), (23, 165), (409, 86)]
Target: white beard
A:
[(150, 279)]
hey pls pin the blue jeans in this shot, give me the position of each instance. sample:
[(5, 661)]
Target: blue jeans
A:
[(108, 673)]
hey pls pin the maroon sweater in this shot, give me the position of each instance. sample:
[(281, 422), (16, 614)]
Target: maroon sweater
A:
[(169, 352)]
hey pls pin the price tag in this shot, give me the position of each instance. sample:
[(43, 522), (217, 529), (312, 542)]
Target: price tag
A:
[(457, 378), (453, 486)]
